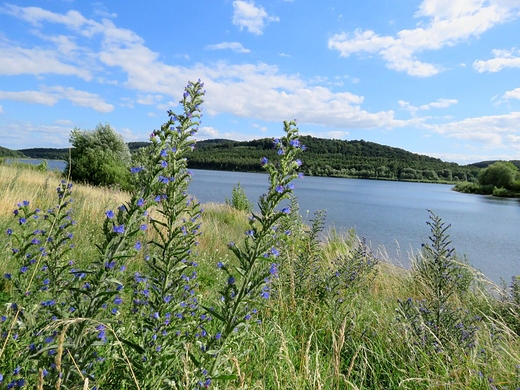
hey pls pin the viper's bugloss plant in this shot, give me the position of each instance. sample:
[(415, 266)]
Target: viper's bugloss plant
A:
[(249, 278), (436, 321)]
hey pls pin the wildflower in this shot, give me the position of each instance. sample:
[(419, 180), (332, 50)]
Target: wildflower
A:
[(279, 188), (136, 169), (109, 214), (140, 202), (8, 276), (220, 264), (137, 246), (250, 233), (231, 280), (119, 229), (300, 175), (22, 221), (143, 227), (264, 161), (24, 269), (163, 179), (298, 162), (118, 300), (48, 303), (294, 143), (9, 232), (286, 210)]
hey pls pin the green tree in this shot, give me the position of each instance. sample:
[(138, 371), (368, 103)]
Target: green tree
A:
[(501, 174), (99, 157)]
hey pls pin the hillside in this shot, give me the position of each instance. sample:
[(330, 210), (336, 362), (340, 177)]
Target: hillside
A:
[(326, 157), (4, 152), (323, 157)]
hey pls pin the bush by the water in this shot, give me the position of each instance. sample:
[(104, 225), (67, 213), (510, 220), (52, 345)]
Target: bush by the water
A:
[(148, 291)]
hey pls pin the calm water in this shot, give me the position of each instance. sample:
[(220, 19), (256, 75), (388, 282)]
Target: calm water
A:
[(391, 215), (53, 164)]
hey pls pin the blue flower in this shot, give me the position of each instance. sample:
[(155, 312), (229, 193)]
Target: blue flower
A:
[(279, 188), (164, 164), (136, 169), (295, 143), (299, 162), (140, 202), (137, 246), (143, 227), (264, 161), (9, 232), (22, 221), (118, 300), (109, 214), (250, 233), (286, 210), (231, 280), (119, 229), (24, 269), (25, 203), (163, 179)]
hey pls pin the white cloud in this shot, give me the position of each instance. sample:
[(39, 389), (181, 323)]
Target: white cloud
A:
[(83, 99), (31, 97), (235, 46), (1, 110), (259, 90), (17, 60), (64, 122), (448, 22), (441, 103), (503, 59), (514, 94), (490, 130), (254, 19), (149, 99), (49, 96)]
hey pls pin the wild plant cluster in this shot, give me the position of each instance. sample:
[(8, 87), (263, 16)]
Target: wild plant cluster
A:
[(283, 310)]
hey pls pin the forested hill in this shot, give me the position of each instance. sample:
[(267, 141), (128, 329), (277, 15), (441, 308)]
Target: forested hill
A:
[(4, 152), (326, 157), (323, 157)]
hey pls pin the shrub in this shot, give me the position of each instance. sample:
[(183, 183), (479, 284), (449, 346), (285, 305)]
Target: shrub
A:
[(99, 157), (239, 199)]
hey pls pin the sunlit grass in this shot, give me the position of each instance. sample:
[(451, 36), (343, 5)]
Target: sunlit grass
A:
[(296, 346)]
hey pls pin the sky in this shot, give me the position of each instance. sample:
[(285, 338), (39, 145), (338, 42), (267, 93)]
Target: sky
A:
[(435, 77)]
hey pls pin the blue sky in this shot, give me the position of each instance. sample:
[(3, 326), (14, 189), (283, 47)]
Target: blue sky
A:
[(436, 77)]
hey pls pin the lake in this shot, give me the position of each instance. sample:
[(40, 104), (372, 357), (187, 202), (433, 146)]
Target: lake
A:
[(391, 215)]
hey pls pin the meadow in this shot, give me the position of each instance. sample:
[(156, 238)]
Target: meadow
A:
[(104, 289)]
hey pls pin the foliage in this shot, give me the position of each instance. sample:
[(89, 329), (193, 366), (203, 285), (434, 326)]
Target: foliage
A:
[(99, 157), (133, 296), (5, 152), (435, 321), (500, 174), (239, 199), (359, 159)]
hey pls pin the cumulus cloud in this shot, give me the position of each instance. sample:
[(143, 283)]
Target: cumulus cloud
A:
[(37, 61), (253, 18), (492, 130), (441, 103), (503, 59), (235, 46), (259, 90), (514, 94), (448, 22), (49, 96)]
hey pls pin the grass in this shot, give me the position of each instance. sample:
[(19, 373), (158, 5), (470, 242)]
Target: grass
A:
[(299, 344)]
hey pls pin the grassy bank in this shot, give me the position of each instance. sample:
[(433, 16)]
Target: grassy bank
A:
[(367, 331)]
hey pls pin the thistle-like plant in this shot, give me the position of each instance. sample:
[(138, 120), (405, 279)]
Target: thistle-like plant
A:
[(249, 277), (435, 321)]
